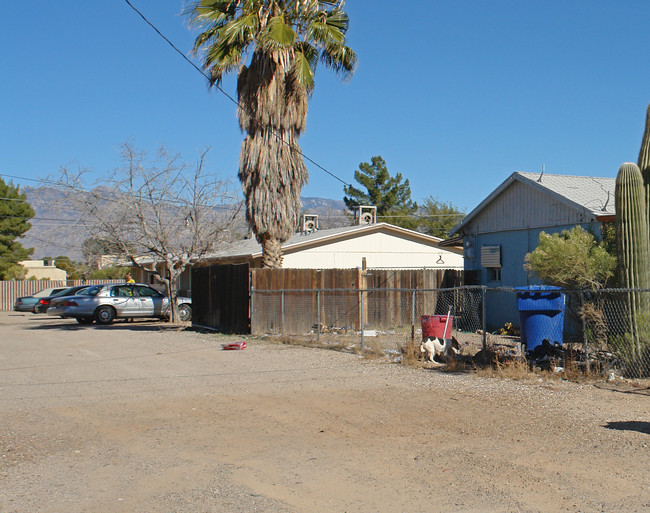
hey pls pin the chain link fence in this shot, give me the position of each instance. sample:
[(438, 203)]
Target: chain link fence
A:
[(604, 331), (385, 320)]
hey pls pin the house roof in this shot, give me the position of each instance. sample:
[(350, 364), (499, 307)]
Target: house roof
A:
[(248, 249), (592, 195)]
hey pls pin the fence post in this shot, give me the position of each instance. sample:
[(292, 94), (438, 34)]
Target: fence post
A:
[(361, 316), (413, 315), (252, 309), (584, 331), (282, 315), (483, 320), (318, 315)]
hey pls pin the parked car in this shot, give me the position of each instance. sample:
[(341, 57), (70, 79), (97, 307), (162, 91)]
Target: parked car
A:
[(105, 303), (26, 303), (43, 303)]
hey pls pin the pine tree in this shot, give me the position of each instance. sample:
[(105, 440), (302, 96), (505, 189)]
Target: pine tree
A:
[(15, 214), (391, 195), (438, 217)]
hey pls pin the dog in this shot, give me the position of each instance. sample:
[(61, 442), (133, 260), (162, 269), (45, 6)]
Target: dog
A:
[(444, 349)]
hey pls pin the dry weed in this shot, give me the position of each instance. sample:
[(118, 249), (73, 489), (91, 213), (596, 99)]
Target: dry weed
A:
[(455, 365), (309, 342), (412, 357), (516, 369)]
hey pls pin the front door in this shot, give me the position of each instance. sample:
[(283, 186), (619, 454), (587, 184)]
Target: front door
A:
[(124, 300)]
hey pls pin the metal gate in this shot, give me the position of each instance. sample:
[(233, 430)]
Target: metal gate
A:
[(220, 298)]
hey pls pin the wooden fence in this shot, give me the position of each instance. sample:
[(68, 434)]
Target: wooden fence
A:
[(236, 299), (336, 296), (10, 290)]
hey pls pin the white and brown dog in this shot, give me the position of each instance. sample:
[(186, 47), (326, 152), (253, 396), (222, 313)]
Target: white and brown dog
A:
[(445, 349)]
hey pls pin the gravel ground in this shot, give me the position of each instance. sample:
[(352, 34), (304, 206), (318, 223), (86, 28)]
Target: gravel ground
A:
[(143, 417)]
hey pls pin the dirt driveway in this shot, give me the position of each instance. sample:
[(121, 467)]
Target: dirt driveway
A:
[(142, 418)]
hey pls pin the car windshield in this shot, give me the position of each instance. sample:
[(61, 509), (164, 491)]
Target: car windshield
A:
[(90, 291), (46, 292)]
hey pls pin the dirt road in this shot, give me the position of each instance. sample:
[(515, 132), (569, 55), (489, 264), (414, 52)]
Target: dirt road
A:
[(142, 418)]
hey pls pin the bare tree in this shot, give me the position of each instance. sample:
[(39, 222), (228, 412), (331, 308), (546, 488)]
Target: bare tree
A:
[(159, 211)]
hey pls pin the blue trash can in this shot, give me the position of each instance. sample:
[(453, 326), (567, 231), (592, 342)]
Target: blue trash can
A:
[(541, 315)]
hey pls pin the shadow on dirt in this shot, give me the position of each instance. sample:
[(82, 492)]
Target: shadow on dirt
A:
[(631, 425), (137, 326)]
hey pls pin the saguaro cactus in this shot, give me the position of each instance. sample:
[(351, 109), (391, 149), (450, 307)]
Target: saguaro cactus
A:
[(632, 227), (644, 163), (632, 249)]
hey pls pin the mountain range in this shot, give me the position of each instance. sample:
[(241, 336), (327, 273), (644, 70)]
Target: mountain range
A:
[(57, 229)]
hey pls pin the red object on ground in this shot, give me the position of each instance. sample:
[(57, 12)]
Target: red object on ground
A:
[(234, 346), (433, 326)]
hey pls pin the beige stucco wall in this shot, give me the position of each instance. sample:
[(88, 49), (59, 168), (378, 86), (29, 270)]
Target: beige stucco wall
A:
[(380, 250), (38, 270)]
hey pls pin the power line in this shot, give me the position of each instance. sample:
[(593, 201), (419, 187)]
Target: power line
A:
[(113, 200), (14, 199), (233, 100), (219, 207), (35, 218), (51, 243), (39, 180)]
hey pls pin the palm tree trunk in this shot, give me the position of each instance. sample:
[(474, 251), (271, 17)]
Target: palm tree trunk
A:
[(271, 252), (273, 111)]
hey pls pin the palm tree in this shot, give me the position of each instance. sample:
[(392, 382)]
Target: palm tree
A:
[(285, 40)]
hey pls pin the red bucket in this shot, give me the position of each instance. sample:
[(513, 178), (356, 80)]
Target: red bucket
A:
[(433, 326)]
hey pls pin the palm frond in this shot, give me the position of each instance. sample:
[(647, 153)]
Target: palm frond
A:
[(302, 70), (222, 58), (240, 30), (338, 19), (277, 34), (341, 59), (204, 13), (310, 53), (205, 39), (321, 32)]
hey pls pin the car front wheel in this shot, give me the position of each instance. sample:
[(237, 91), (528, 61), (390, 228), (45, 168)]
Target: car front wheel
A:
[(104, 315)]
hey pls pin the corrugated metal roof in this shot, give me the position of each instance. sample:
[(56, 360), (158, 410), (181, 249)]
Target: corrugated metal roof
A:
[(593, 195)]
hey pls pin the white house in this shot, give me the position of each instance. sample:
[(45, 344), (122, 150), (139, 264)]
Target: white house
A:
[(43, 270), (376, 246)]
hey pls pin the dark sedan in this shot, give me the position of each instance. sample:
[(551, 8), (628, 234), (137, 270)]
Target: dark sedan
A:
[(27, 303), (43, 303)]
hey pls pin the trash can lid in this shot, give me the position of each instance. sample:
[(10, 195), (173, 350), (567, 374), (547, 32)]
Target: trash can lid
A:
[(530, 288)]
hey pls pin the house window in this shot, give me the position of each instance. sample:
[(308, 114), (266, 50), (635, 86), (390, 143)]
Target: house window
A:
[(491, 260), (494, 273)]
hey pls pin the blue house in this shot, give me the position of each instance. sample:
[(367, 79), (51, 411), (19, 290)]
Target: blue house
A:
[(506, 225)]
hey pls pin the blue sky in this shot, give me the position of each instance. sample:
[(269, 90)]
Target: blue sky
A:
[(454, 95)]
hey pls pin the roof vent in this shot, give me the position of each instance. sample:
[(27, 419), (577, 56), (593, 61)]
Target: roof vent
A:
[(365, 215), (309, 223)]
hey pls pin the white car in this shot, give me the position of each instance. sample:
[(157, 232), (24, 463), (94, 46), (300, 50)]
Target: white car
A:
[(105, 303)]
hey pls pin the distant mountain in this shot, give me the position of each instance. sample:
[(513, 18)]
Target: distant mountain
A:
[(322, 204), (57, 228)]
